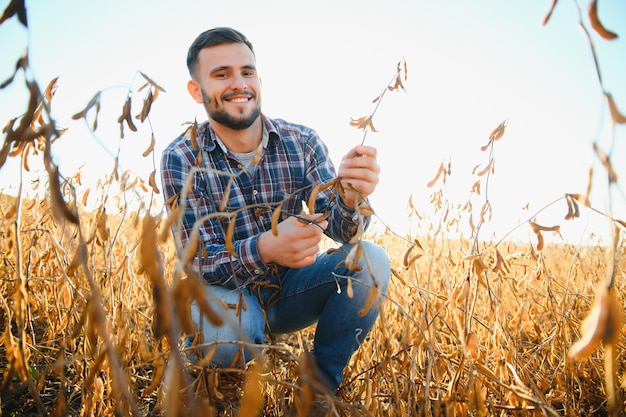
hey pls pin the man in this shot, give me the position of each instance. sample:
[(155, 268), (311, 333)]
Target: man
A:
[(248, 168)]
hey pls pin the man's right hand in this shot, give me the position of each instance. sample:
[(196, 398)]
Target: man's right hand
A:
[(295, 245)]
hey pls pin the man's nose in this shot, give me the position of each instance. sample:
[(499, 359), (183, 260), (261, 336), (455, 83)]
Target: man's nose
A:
[(239, 83)]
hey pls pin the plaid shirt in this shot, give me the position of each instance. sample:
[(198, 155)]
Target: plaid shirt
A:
[(291, 164)]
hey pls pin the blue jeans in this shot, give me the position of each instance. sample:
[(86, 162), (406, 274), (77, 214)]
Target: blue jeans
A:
[(297, 298)]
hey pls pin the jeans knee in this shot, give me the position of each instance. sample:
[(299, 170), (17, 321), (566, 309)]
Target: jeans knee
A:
[(239, 329), (224, 344), (375, 261), (226, 353)]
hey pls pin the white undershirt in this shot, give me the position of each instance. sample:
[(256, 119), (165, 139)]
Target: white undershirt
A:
[(246, 157)]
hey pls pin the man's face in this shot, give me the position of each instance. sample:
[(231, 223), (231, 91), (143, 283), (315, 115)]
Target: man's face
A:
[(227, 83)]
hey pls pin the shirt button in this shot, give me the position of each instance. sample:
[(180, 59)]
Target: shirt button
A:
[(257, 272), (240, 166), (255, 192), (261, 217)]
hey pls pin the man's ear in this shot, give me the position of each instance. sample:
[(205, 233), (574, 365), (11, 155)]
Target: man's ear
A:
[(194, 89)]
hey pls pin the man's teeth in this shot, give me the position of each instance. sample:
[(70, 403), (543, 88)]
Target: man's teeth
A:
[(239, 100)]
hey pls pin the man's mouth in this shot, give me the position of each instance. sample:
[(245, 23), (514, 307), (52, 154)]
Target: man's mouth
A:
[(239, 100)]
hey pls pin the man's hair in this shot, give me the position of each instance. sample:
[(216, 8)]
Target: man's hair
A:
[(213, 37)]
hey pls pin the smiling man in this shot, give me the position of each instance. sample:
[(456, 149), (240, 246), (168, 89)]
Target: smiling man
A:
[(246, 166)]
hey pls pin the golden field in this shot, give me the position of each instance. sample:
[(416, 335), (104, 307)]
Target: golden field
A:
[(94, 298), (92, 313)]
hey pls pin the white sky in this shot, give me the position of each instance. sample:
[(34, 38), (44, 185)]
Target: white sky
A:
[(470, 66)]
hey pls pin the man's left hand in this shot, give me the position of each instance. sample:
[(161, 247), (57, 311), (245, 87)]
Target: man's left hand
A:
[(358, 171)]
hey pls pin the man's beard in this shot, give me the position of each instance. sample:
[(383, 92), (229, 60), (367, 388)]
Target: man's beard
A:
[(222, 117)]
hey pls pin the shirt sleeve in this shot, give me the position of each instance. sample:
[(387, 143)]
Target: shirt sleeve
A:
[(343, 222), (186, 184)]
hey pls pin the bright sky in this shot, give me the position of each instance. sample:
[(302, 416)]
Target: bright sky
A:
[(471, 65)]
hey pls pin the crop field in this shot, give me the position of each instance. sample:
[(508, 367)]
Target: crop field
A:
[(91, 314), (95, 296)]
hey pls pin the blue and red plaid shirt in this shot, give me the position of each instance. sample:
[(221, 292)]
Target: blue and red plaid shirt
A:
[(293, 160)]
